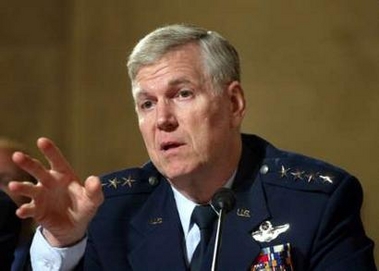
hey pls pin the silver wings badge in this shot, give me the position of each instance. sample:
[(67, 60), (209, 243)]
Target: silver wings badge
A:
[(267, 232)]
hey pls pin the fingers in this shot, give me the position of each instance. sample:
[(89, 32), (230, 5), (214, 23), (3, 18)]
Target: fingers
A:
[(55, 157), (26, 210), (23, 188), (32, 166), (56, 160)]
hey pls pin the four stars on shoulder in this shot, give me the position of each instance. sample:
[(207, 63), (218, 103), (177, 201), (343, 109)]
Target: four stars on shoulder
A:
[(302, 175)]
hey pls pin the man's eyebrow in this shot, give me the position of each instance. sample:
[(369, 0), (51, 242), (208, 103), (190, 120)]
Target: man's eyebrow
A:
[(137, 91), (141, 94)]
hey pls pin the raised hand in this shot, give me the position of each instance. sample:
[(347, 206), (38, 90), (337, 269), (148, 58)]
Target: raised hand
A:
[(60, 203)]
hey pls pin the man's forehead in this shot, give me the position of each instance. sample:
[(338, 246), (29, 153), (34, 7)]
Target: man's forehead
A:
[(156, 82), (188, 53), (183, 65)]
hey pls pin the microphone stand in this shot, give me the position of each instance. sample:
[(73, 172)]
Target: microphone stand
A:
[(221, 215), (223, 201)]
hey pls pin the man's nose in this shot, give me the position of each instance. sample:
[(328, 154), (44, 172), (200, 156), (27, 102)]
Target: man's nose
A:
[(166, 119)]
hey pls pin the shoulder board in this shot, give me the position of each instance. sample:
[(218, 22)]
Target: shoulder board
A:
[(130, 181), (300, 172)]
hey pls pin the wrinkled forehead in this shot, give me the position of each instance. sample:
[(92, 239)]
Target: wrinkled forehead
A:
[(181, 64)]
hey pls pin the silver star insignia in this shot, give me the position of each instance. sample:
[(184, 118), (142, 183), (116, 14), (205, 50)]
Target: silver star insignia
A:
[(327, 179), (297, 175), (128, 181), (113, 182), (283, 172)]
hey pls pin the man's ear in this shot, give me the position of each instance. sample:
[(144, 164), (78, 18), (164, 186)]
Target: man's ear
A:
[(237, 102)]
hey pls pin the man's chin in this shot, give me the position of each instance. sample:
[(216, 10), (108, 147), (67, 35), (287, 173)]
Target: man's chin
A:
[(175, 175)]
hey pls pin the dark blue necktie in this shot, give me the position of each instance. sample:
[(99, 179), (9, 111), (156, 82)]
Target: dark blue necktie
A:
[(203, 216)]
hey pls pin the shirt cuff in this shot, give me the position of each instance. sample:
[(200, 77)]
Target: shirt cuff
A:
[(45, 257)]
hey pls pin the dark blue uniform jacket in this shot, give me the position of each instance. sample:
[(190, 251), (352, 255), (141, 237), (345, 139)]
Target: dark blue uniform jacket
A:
[(138, 227)]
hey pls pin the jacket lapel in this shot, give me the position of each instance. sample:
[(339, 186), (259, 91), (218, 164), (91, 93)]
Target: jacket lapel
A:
[(238, 249), (159, 225)]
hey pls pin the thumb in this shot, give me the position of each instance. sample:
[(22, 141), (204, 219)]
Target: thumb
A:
[(93, 189)]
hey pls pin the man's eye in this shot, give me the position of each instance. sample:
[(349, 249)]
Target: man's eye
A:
[(146, 105), (185, 93)]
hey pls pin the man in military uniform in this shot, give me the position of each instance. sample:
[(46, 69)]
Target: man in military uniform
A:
[(291, 212)]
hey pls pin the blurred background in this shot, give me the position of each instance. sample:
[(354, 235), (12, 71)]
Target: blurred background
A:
[(310, 73)]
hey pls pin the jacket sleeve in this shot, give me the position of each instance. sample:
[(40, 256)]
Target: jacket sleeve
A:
[(341, 242)]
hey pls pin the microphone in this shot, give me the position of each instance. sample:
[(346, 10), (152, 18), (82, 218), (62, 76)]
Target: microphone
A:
[(222, 201)]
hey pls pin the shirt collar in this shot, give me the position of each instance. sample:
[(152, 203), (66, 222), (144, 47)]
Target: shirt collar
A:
[(186, 206)]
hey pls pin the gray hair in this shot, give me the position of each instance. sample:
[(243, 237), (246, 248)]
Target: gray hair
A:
[(221, 61)]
